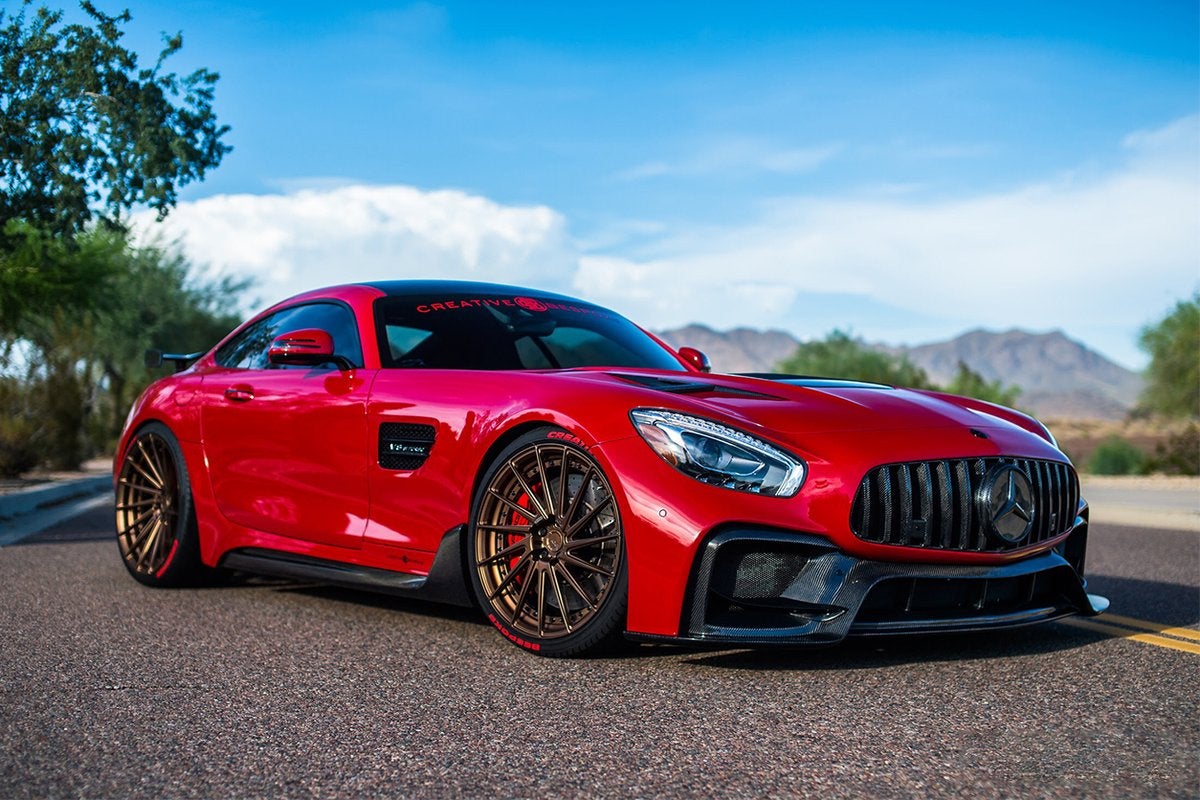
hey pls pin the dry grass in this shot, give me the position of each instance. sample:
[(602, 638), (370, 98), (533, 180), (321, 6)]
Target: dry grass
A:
[(1079, 438)]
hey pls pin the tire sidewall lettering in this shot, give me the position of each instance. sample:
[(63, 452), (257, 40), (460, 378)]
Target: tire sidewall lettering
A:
[(564, 436), (512, 637)]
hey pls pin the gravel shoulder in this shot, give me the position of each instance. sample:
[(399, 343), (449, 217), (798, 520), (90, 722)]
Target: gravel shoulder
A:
[(1156, 501)]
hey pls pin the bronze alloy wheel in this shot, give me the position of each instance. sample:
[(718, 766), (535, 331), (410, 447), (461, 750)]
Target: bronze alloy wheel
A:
[(547, 543), (151, 511)]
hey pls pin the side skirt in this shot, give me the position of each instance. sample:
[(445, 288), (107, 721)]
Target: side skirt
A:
[(443, 584)]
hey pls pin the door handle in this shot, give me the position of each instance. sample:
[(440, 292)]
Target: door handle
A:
[(239, 394)]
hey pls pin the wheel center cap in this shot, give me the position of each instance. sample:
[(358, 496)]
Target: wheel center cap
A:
[(553, 541)]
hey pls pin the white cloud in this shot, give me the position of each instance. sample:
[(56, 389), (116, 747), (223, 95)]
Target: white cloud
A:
[(317, 237), (1097, 256)]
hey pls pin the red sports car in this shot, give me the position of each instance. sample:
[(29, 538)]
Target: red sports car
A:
[(553, 464)]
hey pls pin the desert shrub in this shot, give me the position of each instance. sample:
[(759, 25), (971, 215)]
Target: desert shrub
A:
[(1116, 456), (65, 411), (1179, 454), (21, 431)]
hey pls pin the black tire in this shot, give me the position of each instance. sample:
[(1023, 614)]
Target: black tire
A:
[(155, 519), (546, 556)]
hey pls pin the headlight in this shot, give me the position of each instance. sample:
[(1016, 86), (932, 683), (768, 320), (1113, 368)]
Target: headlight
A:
[(719, 455)]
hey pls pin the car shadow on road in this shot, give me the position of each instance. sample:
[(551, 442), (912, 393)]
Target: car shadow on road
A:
[(1052, 637), (1169, 604), (408, 605), (852, 654)]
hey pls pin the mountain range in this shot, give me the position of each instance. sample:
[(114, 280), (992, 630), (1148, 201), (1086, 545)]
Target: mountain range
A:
[(1059, 378)]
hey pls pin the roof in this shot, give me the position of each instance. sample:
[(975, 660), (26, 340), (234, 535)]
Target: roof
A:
[(436, 287)]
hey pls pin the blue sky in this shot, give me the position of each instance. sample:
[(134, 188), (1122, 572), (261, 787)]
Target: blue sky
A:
[(906, 171)]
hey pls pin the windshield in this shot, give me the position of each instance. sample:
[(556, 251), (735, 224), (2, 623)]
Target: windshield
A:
[(459, 331)]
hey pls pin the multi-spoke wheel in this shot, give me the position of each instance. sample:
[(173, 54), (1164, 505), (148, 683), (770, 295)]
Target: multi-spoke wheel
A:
[(547, 550), (155, 524)]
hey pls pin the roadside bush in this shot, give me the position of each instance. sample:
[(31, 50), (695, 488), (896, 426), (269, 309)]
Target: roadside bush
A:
[(1115, 456), (21, 432), (66, 412), (1179, 455)]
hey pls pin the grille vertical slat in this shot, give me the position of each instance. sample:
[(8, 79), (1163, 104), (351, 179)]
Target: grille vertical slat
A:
[(963, 494), (1061, 489), (885, 496), (1069, 500), (1073, 503), (932, 504), (863, 502), (1042, 487), (945, 503), (978, 471)]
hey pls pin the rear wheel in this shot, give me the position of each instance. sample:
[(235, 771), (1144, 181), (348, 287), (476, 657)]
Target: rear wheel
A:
[(547, 549), (156, 524)]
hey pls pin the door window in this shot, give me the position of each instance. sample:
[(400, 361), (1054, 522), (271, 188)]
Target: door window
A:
[(248, 350)]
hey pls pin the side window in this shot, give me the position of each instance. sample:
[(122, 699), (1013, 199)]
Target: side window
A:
[(403, 340), (249, 349)]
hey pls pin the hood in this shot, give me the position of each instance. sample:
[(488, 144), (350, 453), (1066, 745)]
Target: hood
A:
[(801, 405)]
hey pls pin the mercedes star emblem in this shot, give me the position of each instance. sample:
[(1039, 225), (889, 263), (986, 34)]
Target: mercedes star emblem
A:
[(1006, 503)]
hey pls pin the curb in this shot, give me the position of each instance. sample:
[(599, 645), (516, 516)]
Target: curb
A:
[(30, 500)]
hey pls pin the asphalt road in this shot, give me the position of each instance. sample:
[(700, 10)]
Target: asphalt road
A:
[(109, 689)]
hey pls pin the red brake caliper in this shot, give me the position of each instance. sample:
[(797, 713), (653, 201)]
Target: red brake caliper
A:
[(513, 538)]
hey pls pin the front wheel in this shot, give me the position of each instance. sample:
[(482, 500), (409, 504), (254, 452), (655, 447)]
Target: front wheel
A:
[(546, 548), (156, 525)]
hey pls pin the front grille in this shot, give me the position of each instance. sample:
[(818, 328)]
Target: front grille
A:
[(936, 505)]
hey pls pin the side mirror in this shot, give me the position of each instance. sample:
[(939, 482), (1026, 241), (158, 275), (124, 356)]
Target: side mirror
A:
[(309, 347), (695, 359), (156, 358)]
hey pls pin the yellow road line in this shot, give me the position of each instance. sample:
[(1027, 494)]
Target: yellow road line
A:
[(1142, 625), (1125, 633)]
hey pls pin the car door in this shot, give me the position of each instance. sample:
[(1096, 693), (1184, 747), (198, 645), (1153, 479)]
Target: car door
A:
[(287, 446)]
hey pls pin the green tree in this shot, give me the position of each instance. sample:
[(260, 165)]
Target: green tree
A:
[(840, 356), (79, 368), (155, 300), (86, 135), (969, 383), (1173, 377), (84, 130), (42, 272)]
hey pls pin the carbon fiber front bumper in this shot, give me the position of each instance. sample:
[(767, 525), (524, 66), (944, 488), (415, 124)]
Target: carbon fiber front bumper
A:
[(763, 587)]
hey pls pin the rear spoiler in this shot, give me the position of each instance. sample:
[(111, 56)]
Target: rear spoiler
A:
[(155, 359)]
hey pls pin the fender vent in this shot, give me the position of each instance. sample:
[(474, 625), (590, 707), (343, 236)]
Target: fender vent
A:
[(404, 445)]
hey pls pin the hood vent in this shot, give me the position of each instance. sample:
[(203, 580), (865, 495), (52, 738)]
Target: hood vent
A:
[(675, 386)]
